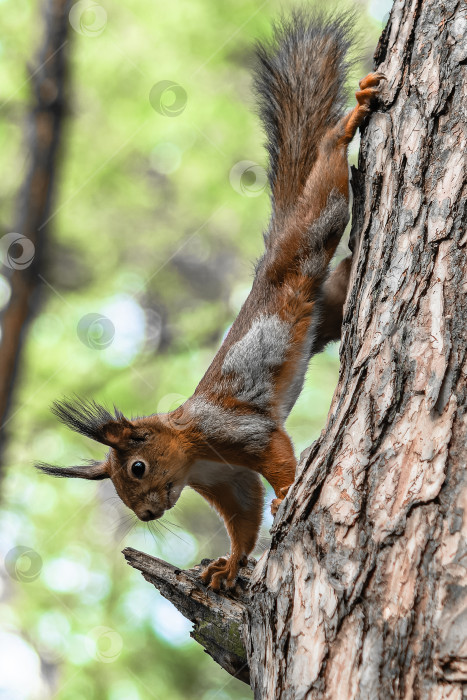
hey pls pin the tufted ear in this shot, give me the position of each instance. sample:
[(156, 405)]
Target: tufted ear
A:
[(89, 418), (93, 470), (118, 433)]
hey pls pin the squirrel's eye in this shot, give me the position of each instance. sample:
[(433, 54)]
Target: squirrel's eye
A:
[(138, 469)]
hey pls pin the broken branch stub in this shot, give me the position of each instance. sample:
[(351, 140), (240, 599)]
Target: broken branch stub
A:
[(217, 617)]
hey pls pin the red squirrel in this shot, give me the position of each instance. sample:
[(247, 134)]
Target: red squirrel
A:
[(231, 430)]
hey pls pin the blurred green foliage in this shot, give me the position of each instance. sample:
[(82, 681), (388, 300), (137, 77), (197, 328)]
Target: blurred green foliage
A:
[(149, 231)]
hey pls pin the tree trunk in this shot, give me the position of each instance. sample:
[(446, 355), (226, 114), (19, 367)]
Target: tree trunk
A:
[(22, 251), (363, 592)]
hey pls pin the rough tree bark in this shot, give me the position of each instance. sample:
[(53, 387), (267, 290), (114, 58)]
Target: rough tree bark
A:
[(22, 252), (363, 592)]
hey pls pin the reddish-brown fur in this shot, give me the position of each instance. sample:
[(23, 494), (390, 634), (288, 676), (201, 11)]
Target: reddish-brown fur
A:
[(179, 449)]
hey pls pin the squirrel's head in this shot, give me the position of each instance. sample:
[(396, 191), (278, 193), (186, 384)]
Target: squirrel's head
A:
[(148, 460)]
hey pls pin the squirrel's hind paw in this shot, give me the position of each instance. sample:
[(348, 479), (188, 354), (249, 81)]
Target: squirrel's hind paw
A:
[(371, 80), (370, 88)]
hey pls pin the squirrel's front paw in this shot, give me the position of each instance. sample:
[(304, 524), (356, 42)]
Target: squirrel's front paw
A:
[(220, 572), (277, 501), (275, 505)]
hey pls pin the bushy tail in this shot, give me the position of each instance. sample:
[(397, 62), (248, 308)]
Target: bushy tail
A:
[(300, 82)]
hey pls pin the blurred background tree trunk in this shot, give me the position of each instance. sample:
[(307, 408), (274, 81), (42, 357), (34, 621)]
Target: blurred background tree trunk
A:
[(22, 250), (363, 593)]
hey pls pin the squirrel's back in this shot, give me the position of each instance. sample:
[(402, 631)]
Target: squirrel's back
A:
[(300, 81)]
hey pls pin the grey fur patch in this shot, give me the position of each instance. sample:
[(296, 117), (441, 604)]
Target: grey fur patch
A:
[(331, 223), (251, 431), (249, 363), (296, 384)]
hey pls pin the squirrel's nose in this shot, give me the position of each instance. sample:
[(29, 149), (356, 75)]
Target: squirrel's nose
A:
[(147, 515)]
